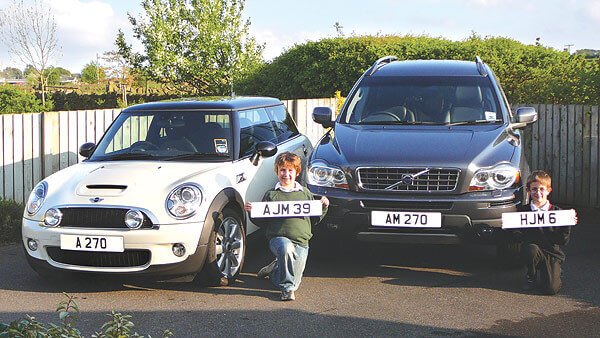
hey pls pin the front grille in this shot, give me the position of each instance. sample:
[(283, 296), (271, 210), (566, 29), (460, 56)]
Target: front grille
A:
[(387, 179), (129, 258), (105, 218), (405, 206)]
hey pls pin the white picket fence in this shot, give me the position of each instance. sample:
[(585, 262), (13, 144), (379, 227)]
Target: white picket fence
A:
[(34, 146)]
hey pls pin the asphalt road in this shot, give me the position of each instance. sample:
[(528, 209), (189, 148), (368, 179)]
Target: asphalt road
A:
[(354, 289)]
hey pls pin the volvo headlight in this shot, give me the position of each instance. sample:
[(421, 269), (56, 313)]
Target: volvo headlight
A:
[(325, 175), (500, 176), (36, 198), (184, 201)]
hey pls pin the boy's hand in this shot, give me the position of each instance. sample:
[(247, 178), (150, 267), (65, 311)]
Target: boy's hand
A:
[(248, 206), (325, 201)]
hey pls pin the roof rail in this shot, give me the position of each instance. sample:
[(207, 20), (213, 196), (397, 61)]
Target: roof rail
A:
[(380, 62), (480, 67)]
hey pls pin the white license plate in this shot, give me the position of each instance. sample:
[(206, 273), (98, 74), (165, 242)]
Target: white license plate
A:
[(92, 243), (406, 219)]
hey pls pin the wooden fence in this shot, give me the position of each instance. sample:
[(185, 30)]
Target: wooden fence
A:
[(564, 142)]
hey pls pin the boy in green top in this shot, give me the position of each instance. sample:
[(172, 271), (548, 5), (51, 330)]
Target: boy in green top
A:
[(288, 236)]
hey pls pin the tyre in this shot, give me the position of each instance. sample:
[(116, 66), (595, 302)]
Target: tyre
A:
[(509, 254), (226, 251)]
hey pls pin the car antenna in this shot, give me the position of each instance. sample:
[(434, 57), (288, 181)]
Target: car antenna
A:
[(480, 67)]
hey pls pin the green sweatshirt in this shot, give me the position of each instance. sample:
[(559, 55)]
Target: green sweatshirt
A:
[(297, 229)]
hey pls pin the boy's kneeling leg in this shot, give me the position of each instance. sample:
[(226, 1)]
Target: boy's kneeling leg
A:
[(550, 280), (291, 259)]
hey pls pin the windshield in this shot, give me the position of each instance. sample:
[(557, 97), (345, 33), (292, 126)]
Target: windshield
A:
[(423, 100), (167, 135)]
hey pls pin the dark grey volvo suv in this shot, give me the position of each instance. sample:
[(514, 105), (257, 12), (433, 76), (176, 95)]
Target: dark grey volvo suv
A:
[(422, 152)]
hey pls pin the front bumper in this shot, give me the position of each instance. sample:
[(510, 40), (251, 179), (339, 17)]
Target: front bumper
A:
[(474, 216), (148, 252)]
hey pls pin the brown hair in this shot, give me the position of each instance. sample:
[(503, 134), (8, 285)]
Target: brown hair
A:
[(288, 159), (540, 176)]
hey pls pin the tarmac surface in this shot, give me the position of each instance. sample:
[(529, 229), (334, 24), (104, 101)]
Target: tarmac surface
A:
[(357, 289)]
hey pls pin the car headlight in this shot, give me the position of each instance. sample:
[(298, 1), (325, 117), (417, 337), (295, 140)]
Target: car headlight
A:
[(324, 175), (499, 176), (183, 201), (36, 198), (52, 217)]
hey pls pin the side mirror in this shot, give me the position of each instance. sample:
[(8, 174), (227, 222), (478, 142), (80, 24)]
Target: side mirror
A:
[(263, 149), (87, 149), (526, 115), (322, 116)]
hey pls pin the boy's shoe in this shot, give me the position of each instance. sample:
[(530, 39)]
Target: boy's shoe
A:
[(288, 295), (266, 270), (529, 284)]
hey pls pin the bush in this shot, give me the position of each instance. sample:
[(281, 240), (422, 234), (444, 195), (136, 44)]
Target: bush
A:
[(15, 100), (529, 74), (11, 216), (119, 325)]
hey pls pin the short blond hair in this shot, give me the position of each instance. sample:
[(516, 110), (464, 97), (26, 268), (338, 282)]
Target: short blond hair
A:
[(541, 177), (288, 159)]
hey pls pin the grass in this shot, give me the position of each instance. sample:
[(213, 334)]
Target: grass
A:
[(11, 216)]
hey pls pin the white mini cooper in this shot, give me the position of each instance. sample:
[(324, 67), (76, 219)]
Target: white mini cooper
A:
[(163, 191)]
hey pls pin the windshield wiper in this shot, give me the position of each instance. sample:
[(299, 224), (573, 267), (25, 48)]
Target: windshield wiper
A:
[(127, 156), (401, 122), (462, 123), (194, 156)]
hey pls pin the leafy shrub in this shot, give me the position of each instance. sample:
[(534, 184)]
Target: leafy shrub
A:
[(119, 325), (11, 215), (15, 100), (529, 74)]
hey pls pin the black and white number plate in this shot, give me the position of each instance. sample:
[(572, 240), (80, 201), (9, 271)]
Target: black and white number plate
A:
[(286, 209), (533, 219), (406, 219), (92, 243)]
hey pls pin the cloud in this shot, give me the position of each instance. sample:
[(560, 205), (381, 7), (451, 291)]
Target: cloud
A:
[(84, 30), (594, 10), (276, 43)]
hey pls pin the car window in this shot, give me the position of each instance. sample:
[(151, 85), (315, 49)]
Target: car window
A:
[(162, 135), (255, 126), (285, 128), (429, 99)]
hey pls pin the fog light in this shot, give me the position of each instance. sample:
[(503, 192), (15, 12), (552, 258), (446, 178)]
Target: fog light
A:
[(32, 244), (134, 219), (178, 249), (52, 217)]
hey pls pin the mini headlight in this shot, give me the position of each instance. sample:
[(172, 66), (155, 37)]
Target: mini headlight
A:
[(134, 219), (326, 176), (52, 217), (184, 201), (36, 198), (500, 176)]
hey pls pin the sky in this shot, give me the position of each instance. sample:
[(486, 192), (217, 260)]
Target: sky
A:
[(87, 28)]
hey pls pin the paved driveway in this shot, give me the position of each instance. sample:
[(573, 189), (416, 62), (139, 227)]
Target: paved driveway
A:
[(351, 289)]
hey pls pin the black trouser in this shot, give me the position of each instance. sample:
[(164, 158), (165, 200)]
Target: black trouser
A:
[(547, 266)]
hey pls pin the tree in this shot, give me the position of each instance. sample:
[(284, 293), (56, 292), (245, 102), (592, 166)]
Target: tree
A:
[(12, 73), (30, 34), (15, 100), (119, 71), (203, 44), (92, 73)]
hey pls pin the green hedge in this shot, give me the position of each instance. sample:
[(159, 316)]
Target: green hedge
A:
[(76, 101), (11, 216), (529, 74)]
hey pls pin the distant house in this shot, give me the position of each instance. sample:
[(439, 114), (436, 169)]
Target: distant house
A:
[(16, 82), (68, 79)]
